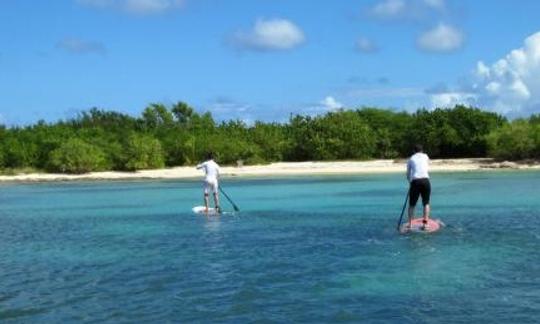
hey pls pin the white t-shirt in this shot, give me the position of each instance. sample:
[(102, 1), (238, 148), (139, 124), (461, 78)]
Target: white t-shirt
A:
[(211, 170), (417, 166)]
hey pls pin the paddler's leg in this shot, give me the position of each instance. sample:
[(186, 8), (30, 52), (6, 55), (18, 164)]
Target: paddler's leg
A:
[(425, 219), (216, 201), (427, 210), (215, 191), (411, 215), (426, 193), (206, 202), (206, 189), (414, 194)]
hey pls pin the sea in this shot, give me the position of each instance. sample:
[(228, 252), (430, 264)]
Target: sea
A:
[(301, 249)]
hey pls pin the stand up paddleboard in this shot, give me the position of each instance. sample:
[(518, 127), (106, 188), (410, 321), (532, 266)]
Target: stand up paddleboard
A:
[(202, 210), (432, 226)]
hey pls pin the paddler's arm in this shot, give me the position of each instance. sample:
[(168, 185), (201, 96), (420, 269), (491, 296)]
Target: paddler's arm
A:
[(409, 171)]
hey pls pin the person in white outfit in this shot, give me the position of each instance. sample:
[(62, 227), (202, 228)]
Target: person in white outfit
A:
[(211, 171), (418, 176)]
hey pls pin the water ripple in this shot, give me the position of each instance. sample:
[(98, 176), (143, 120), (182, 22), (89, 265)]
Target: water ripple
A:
[(137, 254)]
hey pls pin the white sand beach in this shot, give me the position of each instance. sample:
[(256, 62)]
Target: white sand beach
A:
[(282, 169)]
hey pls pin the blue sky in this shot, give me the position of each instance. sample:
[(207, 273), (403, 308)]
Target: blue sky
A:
[(266, 59)]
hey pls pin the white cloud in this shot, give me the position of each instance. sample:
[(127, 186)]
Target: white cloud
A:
[(101, 4), (389, 8), (80, 46), (225, 108), (136, 7), (365, 45), (411, 10), (511, 85), (271, 34), (330, 103), (225, 105), (450, 99), (512, 82), (147, 6), (435, 4), (442, 38)]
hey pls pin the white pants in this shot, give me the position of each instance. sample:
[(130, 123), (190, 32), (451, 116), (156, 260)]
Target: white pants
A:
[(210, 184)]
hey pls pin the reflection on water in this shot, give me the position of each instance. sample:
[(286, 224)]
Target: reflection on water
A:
[(212, 223)]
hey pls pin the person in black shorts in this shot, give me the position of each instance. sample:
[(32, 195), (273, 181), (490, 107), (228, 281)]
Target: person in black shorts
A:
[(418, 176)]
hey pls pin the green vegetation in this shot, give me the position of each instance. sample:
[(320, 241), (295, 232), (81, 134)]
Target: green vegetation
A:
[(143, 152), (76, 156), (519, 139), (171, 136)]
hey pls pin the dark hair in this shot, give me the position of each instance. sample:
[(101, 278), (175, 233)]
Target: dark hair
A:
[(418, 148), (210, 156)]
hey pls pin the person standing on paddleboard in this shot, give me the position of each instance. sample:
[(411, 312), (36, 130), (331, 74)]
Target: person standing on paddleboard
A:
[(418, 176), (211, 171)]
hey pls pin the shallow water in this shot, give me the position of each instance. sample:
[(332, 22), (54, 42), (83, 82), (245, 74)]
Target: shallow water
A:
[(302, 249)]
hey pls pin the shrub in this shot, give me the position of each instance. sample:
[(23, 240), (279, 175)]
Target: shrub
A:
[(76, 156), (144, 152), (513, 141)]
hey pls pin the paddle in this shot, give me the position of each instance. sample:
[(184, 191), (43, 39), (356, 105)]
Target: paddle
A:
[(229, 199), (403, 210)]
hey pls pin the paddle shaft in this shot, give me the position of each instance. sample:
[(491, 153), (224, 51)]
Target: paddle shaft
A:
[(403, 210), (229, 199)]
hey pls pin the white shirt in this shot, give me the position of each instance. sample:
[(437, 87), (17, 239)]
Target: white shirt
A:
[(211, 170), (417, 166)]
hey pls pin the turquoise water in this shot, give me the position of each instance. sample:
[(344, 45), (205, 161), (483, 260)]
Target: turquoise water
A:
[(302, 249)]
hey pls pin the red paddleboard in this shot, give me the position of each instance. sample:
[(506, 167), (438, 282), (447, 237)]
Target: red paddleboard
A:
[(417, 226)]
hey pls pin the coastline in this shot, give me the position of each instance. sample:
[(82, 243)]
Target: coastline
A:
[(283, 169)]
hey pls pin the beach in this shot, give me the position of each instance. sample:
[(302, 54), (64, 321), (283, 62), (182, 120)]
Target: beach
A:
[(283, 169)]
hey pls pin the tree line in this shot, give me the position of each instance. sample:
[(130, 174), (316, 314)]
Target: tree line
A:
[(98, 140)]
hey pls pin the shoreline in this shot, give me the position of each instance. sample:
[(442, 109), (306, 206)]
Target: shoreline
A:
[(282, 169)]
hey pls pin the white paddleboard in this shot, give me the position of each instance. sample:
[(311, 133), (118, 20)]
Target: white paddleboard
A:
[(203, 210)]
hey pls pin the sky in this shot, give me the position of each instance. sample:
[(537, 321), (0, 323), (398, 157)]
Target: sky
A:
[(266, 59)]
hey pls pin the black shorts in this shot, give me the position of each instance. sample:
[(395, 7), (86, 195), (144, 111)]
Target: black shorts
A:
[(419, 187)]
